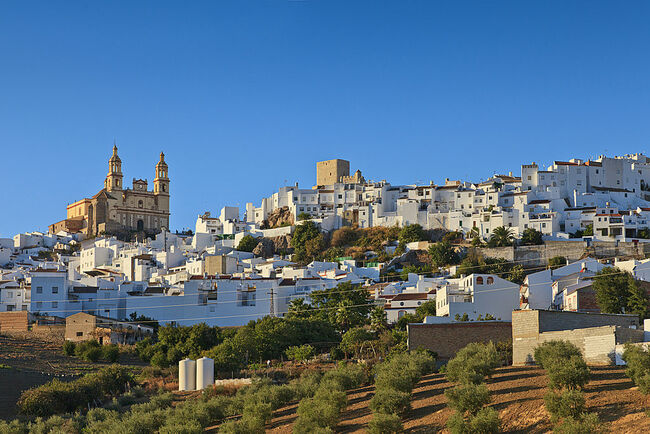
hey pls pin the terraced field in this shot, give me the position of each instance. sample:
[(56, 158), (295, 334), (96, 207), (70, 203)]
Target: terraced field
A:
[(517, 393)]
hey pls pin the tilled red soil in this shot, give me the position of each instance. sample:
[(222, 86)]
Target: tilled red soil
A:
[(517, 394)]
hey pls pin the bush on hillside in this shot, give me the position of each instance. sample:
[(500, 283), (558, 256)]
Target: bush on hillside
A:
[(382, 423), (548, 351), (473, 363), (568, 374), (586, 424), (568, 403), (58, 397), (68, 348), (389, 401), (468, 398), (486, 421), (111, 353), (637, 360), (300, 353), (321, 411)]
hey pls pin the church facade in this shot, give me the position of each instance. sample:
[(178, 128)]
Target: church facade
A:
[(116, 210)]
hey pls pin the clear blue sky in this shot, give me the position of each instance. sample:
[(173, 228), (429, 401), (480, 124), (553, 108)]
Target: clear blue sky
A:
[(244, 95)]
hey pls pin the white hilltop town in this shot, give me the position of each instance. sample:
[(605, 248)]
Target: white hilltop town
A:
[(112, 257)]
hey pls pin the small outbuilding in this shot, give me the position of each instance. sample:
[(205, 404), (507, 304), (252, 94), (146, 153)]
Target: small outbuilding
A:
[(84, 326)]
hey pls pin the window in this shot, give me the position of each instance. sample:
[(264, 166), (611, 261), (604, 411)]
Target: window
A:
[(340, 196), (39, 289), (55, 290), (80, 334), (479, 280), (529, 177), (55, 304), (490, 280)]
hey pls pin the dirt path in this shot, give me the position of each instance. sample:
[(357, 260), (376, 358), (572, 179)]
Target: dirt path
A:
[(517, 394)]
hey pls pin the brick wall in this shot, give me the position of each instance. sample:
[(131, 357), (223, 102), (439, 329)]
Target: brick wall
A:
[(14, 321), (447, 339)]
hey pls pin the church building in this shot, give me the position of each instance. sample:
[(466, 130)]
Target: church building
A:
[(116, 210)]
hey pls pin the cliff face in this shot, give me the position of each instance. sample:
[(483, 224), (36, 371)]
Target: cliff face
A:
[(267, 247), (278, 217)]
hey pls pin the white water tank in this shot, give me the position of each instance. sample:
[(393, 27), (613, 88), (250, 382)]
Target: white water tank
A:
[(187, 374), (204, 373)]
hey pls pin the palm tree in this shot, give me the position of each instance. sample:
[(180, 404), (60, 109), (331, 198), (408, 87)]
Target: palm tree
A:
[(502, 237)]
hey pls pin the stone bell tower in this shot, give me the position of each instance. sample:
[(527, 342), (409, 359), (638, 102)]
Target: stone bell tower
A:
[(113, 180), (161, 184)]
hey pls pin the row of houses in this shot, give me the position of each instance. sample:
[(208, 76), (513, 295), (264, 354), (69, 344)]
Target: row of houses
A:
[(609, 195)]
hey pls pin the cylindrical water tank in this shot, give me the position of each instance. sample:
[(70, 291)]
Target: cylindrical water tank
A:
[(187, 374), (204, 373)]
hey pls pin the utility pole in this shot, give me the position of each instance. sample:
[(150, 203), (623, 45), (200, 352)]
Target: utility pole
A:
[(272, 307)]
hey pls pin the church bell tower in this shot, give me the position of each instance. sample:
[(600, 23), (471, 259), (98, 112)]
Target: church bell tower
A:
[(114, 178), (161, 184)]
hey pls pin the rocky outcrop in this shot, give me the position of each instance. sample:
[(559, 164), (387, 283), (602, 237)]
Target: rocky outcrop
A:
[(278, 217), (265, 248), (282, 243)]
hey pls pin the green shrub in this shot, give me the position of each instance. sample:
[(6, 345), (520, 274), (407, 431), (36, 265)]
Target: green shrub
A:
[(261, 410), (638, 366), (644, 383), (300, 353), (58, 397), (126, 399), (555, 350), (321, 411), (99, 414), (306, 385), (401, 372), (388, 400), (468, 398), (570, 374), (143, 422), (485, 421), (68, 348), (92, 354), (111, 353), (54, 424), (347, 376), (181, 427), (586, 424), (385, 424), (156, 402), (568, 403), (13, 427), (473, 363), (159, 359)]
